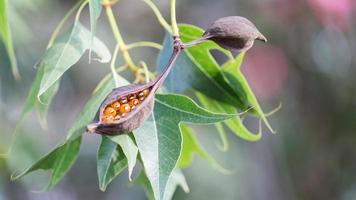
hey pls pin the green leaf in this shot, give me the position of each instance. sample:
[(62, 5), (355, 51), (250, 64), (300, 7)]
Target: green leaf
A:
[(58, 161), (224, 146), (176, 179), (235, 124), (43, 106), (190, 146), (129, 148), (196, 69), (66, 51), (72, 142), (32, 100), (159, 139), (94, 11), (111, 161), (143, 180), (5, 36), (232, 72)]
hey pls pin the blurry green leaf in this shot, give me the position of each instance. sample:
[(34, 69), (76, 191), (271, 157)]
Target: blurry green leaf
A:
[(176, 179), (196, 68), (5, 36), (235, 124), (94, 11), (69, 150), (143, 180), (111, 161), (159, 139), (129, 148), (190, 146), (224, 146), (58, 161), (232, 72), (31, 100), (43, 106), (66, 51)]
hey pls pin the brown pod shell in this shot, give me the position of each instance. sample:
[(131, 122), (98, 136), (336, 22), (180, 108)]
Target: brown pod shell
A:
[(132, 120), (233, 33), (129, 117)]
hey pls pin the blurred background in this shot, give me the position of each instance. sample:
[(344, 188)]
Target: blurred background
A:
[(308, 65)]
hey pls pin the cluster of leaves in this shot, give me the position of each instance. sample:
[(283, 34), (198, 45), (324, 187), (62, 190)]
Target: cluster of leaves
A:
[(164, 144)]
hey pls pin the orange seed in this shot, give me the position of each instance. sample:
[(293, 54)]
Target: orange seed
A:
[(116, 105), (125, 108), (134, 102), (110, 111)]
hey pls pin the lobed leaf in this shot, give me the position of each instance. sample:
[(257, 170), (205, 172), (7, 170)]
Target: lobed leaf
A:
[(196, 69), (159, 139)]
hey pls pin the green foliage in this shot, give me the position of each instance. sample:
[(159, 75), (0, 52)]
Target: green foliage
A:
[(159, 139), (164, 144), (66, 51), (197, 69), (191, 146), (222, 89), (111, 161), (58, 161), (5, 36)]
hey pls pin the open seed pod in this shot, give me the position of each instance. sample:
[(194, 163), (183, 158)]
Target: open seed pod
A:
[(127, 107), (233, 33)]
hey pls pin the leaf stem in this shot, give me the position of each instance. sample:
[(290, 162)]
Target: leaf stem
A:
[(159, 16), (112, 66), (80, 9), (147, 74), (115, 29), (174, 25), (144, 44)]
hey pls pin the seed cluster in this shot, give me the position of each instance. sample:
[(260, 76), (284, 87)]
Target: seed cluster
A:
[(121, 107)]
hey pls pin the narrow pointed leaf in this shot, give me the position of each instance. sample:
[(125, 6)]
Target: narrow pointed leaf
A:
[(58, 161), (94, 11), (66, 51), (129, 149), (5, 36), (111, 161), (62, 158)]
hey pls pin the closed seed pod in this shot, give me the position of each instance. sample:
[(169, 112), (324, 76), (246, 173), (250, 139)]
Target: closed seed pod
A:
[(234, 33), (131, 114)]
